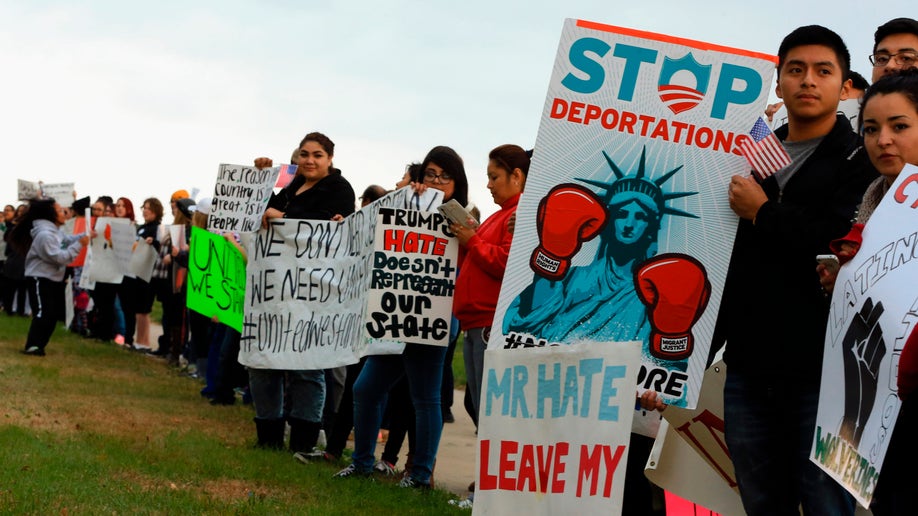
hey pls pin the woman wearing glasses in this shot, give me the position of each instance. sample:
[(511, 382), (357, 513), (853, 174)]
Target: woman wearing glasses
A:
[(422, 364)]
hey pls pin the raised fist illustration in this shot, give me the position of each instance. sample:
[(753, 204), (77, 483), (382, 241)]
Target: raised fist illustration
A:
[(863, 350), (676, 290), (568, 216)]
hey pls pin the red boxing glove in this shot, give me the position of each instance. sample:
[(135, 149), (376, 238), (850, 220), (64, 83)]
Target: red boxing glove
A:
[(676, 290), (568, 216)]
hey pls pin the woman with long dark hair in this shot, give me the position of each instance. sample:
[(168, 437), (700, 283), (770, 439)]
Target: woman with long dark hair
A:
[(317, 192), (422, 364), (48, 251)]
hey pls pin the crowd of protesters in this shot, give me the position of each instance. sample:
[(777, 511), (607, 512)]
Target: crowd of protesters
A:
[(817, 195)]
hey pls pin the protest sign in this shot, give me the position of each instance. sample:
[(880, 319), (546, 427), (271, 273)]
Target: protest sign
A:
[(241, 195), (27, 190), (110, 251), (68, 303), (143, 259), (306, 293), (690, 456), (177, 235), (413, 278), (554, 427), (871, 317), (625, 229), (307, 284), (63, 193), (216, 278)]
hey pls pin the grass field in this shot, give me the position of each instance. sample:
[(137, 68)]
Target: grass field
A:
[(92, 429)]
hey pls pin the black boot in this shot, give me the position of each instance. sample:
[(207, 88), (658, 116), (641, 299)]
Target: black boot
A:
[(270, 433), (303, 434)]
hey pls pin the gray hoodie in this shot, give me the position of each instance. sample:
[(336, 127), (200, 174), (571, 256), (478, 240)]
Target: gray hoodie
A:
[(51, 251)]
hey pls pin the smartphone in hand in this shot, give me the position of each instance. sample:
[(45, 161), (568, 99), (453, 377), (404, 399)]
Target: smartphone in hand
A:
[(830, 261)]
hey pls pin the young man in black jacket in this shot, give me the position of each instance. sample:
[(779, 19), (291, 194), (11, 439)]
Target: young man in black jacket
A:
[(774, 312)]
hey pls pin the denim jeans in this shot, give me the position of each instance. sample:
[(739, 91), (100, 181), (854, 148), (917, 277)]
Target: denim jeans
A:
[(473, 348), (306, 393), (423, 365), (770, 425)]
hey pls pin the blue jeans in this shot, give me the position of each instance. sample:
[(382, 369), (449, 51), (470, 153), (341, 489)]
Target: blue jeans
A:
[(473, 348), (306, 393), (769, 425), (423, 366)]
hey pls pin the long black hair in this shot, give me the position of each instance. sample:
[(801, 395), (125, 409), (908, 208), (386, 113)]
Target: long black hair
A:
[(449, 160), (39, 209)]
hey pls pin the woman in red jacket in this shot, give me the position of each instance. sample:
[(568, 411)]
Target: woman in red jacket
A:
[(485, 252)]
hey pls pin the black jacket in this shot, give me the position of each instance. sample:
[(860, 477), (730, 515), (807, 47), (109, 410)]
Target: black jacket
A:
[(773, 313), (331, 196)]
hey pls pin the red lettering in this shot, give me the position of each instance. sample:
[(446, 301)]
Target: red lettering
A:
[(740, 138), (507, 448), (609, 118), (592, 113), (544, 466), (715, 427), (440, 246), (589, 468), (561, 450), (486, 481), (392, 240), (411, 242), (558, 108), (628, 120), (723, 141), (611, 465), (661, 131), (646, 120), (527, 470), (574, 114), (900, 196), (704, 137), (399, 240)]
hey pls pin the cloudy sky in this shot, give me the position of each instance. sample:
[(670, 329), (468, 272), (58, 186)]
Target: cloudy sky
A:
[(140, 99)]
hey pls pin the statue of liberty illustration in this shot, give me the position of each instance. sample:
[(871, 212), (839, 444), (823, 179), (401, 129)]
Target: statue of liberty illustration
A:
[(628, 292)]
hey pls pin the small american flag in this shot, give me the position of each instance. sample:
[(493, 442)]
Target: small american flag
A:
[(286, 175), (765, 152)]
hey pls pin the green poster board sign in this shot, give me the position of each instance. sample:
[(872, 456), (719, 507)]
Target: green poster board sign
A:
[(216, 278)]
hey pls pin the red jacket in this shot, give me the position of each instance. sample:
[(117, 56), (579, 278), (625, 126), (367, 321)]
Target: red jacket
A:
[(482, 269)]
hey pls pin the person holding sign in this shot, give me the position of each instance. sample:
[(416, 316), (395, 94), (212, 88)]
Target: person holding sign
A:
[(482, 268), (48, 251), (889, 117), (152, 214), (318, 192), (773, 314), (130, 286), (422, 364)]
